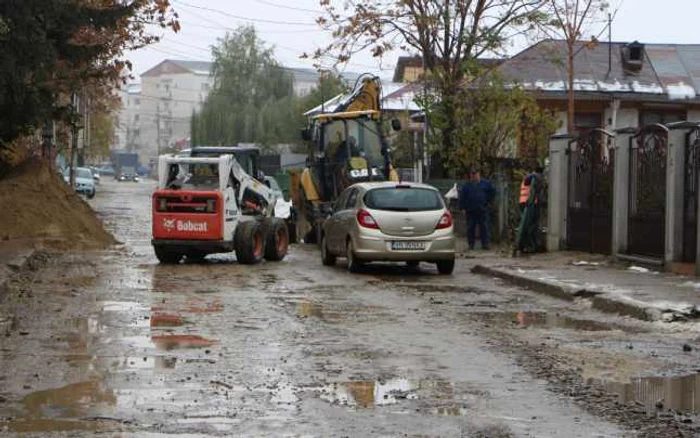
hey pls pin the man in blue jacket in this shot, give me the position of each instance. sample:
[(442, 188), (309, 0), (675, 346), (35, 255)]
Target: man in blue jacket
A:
[(475, 198)]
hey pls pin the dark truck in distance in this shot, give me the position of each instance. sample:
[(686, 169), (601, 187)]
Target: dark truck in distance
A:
[(125, 165)]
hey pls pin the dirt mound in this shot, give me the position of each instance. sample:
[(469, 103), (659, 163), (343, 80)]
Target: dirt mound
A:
[(38, 207)]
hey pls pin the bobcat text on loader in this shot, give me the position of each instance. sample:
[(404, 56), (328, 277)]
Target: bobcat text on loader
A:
[(211, 205)]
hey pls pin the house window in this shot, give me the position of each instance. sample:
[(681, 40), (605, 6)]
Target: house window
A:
[(661, 116), (585, 122)]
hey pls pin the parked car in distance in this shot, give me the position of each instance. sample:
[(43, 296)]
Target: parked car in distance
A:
[(95, 174), (389, 221), (84, 182), (107, 170)]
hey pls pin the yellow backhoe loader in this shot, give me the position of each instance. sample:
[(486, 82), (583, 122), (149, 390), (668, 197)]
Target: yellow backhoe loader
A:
[(349, 146)]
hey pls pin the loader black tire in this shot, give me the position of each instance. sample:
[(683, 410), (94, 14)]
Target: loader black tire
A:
[(249, 242), (167, 257), (276, 239), (292, 229)]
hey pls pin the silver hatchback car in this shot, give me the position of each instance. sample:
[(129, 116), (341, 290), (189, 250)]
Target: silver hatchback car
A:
[(389, 221)]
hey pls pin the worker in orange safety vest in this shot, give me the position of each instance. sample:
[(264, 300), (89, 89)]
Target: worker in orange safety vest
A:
[(526, 186), (527, 240)]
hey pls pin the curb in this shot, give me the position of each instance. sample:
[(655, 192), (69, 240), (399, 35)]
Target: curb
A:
[(541, 286), (600, 300)]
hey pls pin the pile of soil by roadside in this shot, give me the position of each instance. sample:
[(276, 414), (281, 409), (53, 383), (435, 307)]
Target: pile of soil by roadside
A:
[(40, 208)]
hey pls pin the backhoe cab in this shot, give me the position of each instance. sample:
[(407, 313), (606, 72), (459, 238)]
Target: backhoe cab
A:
[(349, 146)]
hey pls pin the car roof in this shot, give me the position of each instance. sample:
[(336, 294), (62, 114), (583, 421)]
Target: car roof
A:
[(390, 184), (224, 148)]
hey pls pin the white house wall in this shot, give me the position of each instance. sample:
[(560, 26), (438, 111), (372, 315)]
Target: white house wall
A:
[(694, 116), (561, 118), (169, 99), (627, 118)]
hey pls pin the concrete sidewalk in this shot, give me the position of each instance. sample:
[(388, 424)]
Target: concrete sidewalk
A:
[(612, 287)]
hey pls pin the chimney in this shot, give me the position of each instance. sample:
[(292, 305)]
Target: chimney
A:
[(633, 58)]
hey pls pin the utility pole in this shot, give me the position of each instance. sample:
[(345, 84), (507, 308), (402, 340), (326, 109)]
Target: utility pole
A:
[(75, 101), (158, 131), (86, 134)]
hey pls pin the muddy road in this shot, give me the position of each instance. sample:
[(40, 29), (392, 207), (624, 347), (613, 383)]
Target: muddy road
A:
[(113, 344)]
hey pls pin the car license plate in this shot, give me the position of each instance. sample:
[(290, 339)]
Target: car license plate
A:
[(408, 246)]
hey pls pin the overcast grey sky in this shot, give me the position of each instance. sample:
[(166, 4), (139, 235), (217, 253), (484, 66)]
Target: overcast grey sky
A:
[(650, 21)]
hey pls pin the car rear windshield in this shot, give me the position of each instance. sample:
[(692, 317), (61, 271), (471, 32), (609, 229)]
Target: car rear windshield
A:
[(403, 199), (84, 173)]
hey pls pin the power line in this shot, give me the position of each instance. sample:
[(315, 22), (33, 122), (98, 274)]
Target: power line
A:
[(172, 53), (238, 17), (293, 8), (232, 29)]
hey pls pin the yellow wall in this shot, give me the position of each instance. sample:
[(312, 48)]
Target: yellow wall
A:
[(412, 74)]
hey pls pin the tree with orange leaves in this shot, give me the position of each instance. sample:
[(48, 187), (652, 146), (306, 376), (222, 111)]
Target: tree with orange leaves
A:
[(51, 48), (450, 35)]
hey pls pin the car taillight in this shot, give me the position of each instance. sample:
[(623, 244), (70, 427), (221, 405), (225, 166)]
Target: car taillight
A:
[(366, 220), (162, 204), (211, 205), (445, 221)]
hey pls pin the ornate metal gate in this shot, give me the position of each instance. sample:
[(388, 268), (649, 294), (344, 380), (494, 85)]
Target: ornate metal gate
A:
[(647, 191), (591, 178), (690, 195)]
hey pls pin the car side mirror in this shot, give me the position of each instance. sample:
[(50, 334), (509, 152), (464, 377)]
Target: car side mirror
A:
[(306, 134), (396, 124)]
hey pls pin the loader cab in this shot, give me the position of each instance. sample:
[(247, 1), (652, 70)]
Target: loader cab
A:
[(247, 156)]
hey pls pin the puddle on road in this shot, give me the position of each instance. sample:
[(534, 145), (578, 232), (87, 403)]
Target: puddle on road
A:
[(70, 401), (680, 393), (306, 309), (194, 305), (547, 320), (161, 320), (60, 409), (449, 411), (368, 394), (159, 363), (336, 314), (123, 306), (198, 305), (175, 342)]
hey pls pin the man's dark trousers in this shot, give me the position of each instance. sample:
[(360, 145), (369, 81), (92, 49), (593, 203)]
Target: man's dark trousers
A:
[(479, 219)]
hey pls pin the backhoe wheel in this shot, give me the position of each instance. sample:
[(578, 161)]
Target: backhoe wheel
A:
[(167, 257), (249, 242), (276, 239), (327, 258)]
